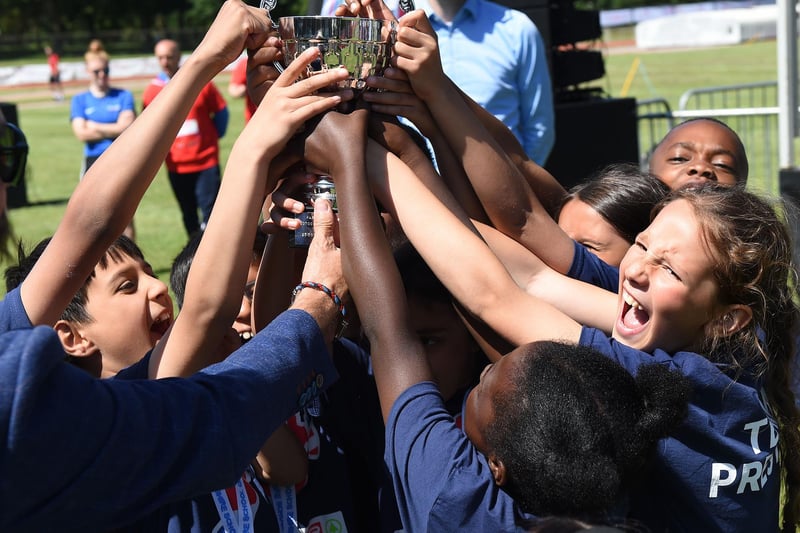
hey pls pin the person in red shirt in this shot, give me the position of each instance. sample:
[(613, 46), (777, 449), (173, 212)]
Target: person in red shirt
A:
[(55, 74), (193, 159), (237, 87)]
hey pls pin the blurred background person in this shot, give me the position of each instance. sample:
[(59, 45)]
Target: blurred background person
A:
[(497, 56), (237, 87), (55, 74), (193, 160), (101, 114)]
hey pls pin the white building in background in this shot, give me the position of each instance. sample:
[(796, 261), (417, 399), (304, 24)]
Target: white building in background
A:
[(708, 28)]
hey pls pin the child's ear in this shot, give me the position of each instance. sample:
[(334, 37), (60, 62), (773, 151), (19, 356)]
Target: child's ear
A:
[(732, 319), (73, 341), (498, 469)]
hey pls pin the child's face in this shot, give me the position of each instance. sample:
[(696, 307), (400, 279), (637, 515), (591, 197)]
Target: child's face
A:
[(667, 291), (586, 226), (479, 411), (242, 324), (449, 346), (131, 310), (698, 151)]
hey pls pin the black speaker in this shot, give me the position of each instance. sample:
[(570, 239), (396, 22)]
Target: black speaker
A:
[(569, 25), (591, 134), (571, 67), (17, 196)]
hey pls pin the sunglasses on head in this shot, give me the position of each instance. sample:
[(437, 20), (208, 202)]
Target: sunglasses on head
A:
[(105, 71), (13, 153)]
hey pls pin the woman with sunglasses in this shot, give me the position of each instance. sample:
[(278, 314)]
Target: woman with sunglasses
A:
[(101, 114)]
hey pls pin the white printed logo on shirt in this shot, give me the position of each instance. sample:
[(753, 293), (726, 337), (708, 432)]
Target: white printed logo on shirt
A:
[(190, 127)]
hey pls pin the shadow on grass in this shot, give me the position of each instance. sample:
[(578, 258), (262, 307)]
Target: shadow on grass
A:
[(41, 203)]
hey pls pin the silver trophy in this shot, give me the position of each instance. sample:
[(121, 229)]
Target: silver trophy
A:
[(362, 45)]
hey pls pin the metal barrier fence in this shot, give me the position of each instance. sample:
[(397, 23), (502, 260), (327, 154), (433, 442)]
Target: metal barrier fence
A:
[(750, 109)]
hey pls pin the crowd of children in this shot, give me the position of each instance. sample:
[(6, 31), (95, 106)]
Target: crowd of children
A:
[(510, 356)]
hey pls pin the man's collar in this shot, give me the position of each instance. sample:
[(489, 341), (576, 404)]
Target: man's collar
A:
[(470, 9)]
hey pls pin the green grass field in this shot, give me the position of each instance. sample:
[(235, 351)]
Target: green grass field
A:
[(53, 168), (55, 155)]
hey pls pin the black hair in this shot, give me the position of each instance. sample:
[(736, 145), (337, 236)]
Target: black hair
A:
[(418, 278), (179, 272), (15, 274), (559, 524), (76, 309), (577, 431), (623, 195)]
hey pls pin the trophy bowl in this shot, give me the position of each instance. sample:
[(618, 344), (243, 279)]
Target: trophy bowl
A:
[(362, 45)]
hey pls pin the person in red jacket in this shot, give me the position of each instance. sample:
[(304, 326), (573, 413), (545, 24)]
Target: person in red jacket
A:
[(237, 87), (193, 160)]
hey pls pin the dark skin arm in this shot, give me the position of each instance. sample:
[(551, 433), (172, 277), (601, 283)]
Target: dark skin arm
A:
[(399, 360)]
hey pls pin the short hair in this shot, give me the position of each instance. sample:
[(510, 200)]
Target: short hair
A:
[(738, 140), (76, 309), (577, 430), (418, 278), (179, 272)]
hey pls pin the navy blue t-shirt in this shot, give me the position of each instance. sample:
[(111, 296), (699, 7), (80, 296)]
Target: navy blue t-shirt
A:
[(442, 482), (344, 443), (12, 313), (719, 470), (589, 268)]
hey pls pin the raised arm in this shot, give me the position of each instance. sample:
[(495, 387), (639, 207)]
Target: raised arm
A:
[(219, 269), (395, 96), (398, 358), (104, 202), (508, 199), (467, 267), (594, 307)]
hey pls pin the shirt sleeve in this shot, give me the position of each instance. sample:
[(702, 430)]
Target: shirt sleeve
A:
[(214, 99), (96, 454), (77, 108), (440, 480), (12, 312), (589, 268), (126, 102), (536, 97)]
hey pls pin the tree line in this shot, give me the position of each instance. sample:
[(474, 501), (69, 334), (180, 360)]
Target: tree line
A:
[(132, 26)]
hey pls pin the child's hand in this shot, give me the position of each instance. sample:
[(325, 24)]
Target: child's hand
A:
[(289, 104), (261, 71), (397, 97), (390, 134), (237, 26), (416, 52), (285, 202), (336, 141), (374, 9)]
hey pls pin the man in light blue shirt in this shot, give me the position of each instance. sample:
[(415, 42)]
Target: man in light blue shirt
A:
[(497, 56)]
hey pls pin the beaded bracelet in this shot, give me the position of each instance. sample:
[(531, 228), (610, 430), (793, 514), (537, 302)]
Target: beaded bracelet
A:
[(332, 295)]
